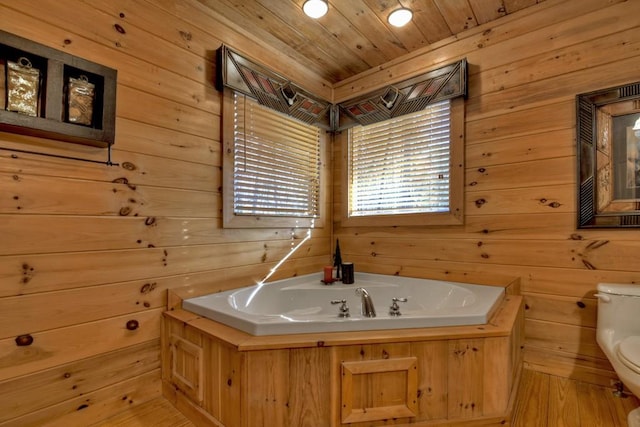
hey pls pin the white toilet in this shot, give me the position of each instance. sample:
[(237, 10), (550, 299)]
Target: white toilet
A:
[(618, 335)]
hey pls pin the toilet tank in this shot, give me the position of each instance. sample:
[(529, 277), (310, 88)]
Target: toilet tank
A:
[(619, 309)]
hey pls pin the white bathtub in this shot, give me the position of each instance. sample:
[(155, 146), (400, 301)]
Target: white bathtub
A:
[(303, 305)]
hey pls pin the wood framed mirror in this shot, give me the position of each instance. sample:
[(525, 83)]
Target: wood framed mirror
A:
[(608, 151)]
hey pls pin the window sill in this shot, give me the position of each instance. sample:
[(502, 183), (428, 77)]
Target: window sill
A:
[(441, 218)]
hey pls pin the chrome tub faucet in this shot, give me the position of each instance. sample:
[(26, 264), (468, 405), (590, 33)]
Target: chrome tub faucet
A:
[(368, 310)]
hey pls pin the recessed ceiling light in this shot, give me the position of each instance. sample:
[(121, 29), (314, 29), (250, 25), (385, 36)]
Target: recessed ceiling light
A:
[(400, 17), (315, 8)]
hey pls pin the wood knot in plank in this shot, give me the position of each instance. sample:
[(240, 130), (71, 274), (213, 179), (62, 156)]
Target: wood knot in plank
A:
[(132, 325), (124, 181), (27, 273), (148, 287), (121, 180), (129, 166), (24, 340), (596, 244)]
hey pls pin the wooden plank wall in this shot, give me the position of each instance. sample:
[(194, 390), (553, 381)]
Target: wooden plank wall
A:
[(520, 187), (86, 248)]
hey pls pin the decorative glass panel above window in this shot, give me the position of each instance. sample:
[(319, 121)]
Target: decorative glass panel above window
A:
[(401, 165), (405, 97), (243, 75), (272, 167)]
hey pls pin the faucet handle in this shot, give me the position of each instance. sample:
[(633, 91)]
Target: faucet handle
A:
[(343, 309), (394, 310)]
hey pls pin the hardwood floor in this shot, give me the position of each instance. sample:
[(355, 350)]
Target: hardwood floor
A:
[(155, 413), (549, 401), (543, 401)]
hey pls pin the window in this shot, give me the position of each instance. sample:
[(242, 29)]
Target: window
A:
[(406, 170), (272, 167)]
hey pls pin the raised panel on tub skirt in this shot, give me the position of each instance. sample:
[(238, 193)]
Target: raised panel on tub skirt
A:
[(186, 367), (390, 389)]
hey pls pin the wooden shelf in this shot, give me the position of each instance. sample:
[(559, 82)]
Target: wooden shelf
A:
[(56, 68)]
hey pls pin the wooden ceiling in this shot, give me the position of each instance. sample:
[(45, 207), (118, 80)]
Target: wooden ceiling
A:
[(354, 35)]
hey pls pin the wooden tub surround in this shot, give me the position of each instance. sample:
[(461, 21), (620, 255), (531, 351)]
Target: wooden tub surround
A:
[(457, 375)]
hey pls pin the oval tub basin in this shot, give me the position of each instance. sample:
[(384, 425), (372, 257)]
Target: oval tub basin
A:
[(303, 305)]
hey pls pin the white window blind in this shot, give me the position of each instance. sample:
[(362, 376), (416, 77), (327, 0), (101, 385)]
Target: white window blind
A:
[(276, 163), (401, 165)]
